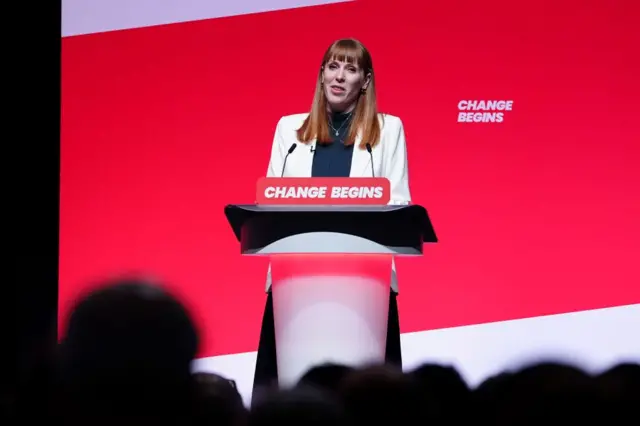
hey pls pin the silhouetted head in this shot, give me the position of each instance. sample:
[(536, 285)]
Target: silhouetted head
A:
[(326, 377), (299, 406), (619, 389), (369, 393), (446, 389), (217, 400), (129, 325), (127, 355), (543, 393)]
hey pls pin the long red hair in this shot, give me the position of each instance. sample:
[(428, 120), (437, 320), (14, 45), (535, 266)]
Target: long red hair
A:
[(365, 115)]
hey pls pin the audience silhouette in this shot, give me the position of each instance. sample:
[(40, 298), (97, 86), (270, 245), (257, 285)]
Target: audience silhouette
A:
[(126, 352)]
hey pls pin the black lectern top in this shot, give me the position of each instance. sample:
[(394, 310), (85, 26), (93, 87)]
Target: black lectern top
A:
[(391, 225)]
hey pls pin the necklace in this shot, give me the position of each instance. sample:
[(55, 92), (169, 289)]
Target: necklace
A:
[(337, 131)]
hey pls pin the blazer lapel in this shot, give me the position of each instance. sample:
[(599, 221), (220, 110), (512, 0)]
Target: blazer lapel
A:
[(302, 159), (360, 162)]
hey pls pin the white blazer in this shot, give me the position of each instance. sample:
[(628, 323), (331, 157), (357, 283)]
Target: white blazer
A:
[(389, 160)]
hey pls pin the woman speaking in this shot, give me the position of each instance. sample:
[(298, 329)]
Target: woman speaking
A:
[(340, 137)]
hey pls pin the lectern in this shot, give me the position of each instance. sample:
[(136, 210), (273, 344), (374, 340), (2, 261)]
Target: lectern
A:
[(331, 270)]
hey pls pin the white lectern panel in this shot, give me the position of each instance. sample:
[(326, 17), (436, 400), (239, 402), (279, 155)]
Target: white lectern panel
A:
[(329, 310)]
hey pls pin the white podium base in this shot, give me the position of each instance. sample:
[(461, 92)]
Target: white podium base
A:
[(329, 308)]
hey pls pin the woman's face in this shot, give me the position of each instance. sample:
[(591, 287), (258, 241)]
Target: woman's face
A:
[(343, 82)]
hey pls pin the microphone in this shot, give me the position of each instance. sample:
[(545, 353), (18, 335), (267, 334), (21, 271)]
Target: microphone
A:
[(371, 155), (291, 149), (312, 149)]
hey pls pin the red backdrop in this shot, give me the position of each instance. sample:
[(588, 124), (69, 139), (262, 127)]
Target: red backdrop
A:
[(164, 126)]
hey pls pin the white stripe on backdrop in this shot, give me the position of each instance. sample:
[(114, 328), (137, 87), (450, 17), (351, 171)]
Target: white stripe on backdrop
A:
[(94, 16), (594, 340)]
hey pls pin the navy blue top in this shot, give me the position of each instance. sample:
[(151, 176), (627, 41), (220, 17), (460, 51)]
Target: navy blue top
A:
[(334, 159)]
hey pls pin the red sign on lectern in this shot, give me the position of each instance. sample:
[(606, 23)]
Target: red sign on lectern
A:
[(323, 191)]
